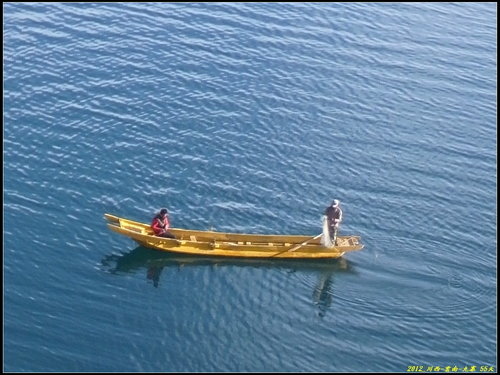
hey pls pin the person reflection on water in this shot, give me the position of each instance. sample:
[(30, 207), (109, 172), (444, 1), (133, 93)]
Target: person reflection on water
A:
[(154, 273), (161, 224), (323, 292)]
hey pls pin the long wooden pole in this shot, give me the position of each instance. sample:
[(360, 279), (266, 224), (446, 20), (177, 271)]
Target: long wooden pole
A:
[(298, 246)]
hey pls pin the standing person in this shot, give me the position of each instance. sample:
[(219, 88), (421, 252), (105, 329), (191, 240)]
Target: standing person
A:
[(332, 220), (161, 224)]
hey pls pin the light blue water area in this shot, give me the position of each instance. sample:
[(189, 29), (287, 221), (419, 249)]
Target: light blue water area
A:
[(250, 117)]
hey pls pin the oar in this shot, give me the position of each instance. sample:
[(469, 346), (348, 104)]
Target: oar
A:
[(298, 246)]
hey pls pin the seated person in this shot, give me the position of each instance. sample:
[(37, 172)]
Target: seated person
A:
[(160, 224)]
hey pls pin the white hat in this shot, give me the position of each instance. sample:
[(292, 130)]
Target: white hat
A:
[(335, 203)]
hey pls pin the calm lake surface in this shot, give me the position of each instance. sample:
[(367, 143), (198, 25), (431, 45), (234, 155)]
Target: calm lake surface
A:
[(250, 117)]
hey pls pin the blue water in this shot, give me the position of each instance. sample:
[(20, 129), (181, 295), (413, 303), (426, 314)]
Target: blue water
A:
[(250, 117)]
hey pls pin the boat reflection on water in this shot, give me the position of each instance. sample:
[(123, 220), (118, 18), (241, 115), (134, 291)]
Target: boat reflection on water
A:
[(155, 262)]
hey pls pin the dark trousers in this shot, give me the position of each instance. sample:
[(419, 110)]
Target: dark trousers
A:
[(333, 232), (166, 234)]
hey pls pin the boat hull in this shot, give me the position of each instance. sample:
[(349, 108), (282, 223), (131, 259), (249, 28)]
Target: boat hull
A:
[(222, 244)]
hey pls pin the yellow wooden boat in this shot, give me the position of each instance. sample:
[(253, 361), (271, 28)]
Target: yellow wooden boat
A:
[(197, 242)]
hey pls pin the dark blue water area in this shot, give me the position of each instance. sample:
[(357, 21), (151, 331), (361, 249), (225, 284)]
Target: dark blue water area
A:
[(250, 118)]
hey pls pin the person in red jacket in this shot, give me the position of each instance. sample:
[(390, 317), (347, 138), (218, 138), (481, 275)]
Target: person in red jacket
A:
[(161, 224)]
